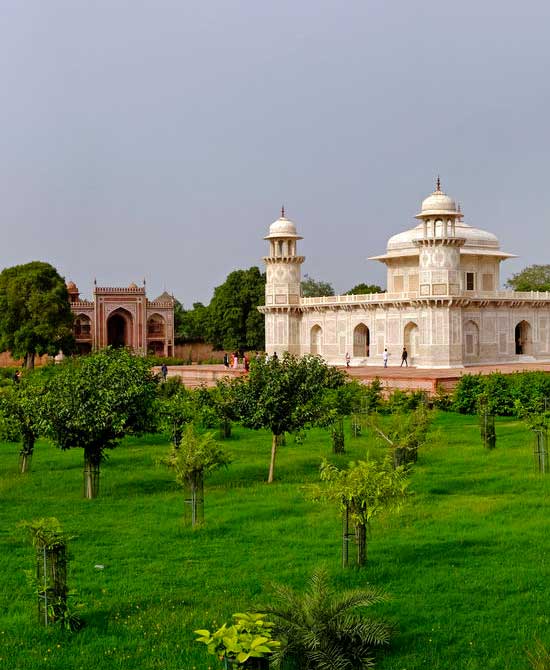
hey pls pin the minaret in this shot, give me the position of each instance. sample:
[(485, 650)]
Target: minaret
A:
[(282, 288), (439, 245)]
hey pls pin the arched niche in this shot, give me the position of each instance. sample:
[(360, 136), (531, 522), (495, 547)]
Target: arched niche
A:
[(82, 327), (156, 326), (411, 335), (316, 339), (523, 336), (471, 340), (361, 340)]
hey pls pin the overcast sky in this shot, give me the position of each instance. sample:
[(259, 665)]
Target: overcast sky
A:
[(159, 139)]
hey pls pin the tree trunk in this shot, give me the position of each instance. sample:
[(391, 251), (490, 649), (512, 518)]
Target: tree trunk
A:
[(91, 474), (361, 540), (51, 576), (399, 456), (225, 429), (274, 443), (195, 499), (25, 455), (29, 361), (338, 436)]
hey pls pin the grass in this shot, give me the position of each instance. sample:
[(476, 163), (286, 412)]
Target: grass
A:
[(466, 561)]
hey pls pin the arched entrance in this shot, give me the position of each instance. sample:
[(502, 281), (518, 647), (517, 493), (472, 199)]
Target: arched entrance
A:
[(410, 340), (523, 338), (361, 341), (315, 339), (471, 340), (119, 329)]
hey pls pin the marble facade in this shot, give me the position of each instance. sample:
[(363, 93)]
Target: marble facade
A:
[(443, 301)]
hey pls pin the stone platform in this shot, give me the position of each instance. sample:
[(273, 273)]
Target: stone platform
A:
[(392, 377)]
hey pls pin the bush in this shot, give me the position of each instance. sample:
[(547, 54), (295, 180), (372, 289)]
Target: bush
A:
[(167, 360), (527, 390), (441, 399), (405, 401), (466, 394)]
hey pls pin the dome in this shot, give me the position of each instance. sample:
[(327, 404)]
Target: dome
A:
[(475, 237), (282, 227), (71, 286), (133, 285), (438, 203)]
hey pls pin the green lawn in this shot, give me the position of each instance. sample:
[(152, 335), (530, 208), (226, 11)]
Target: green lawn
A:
[(467, 561)]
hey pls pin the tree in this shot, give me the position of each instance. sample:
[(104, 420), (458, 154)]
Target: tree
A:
[(195, 456), (362, 491), (94, 401), (176, 410), (190, 325), (217, 406), (20, 414), (284, 395), (340, 402), (311, 288), (35, 313), (531, 278), (234, 322), (321, 629), (404, 432), (364, 289)]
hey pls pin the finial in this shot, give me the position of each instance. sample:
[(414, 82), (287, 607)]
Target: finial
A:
[(438, 184), (144, 282), (95, 281), (283, 212), (459, 209)]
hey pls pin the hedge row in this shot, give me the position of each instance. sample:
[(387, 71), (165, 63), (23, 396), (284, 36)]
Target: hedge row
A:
[(504, 393)]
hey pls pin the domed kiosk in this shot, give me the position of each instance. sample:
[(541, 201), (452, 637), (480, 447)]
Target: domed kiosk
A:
[(443, 301)]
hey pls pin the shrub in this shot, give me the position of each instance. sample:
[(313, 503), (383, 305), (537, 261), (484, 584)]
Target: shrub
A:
[(498, 390), (322, 628), (466, 394)]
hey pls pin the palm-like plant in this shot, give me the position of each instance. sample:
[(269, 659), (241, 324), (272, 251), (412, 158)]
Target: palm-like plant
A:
[(321, 629)]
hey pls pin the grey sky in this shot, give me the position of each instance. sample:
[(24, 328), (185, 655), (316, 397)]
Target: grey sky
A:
[(146, 138)]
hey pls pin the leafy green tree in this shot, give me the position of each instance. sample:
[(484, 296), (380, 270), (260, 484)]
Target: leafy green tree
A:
[(217, 407), (35, 313), (195, 456), (234, 322), (404, 433), (20, 414), (191, 325), (323, 629), (284, 395), (175, 412), (531, 278), (364, 289), (311, 288), (94, 401), (363, 491)]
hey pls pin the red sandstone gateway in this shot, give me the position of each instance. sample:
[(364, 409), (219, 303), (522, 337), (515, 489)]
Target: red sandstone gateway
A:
[(123, 317)]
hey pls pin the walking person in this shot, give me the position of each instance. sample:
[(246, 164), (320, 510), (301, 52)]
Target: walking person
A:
[(246, 363), (348, 359), (226, 360), (235, 360), (164, 371), (385, 356), (404, 357)]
